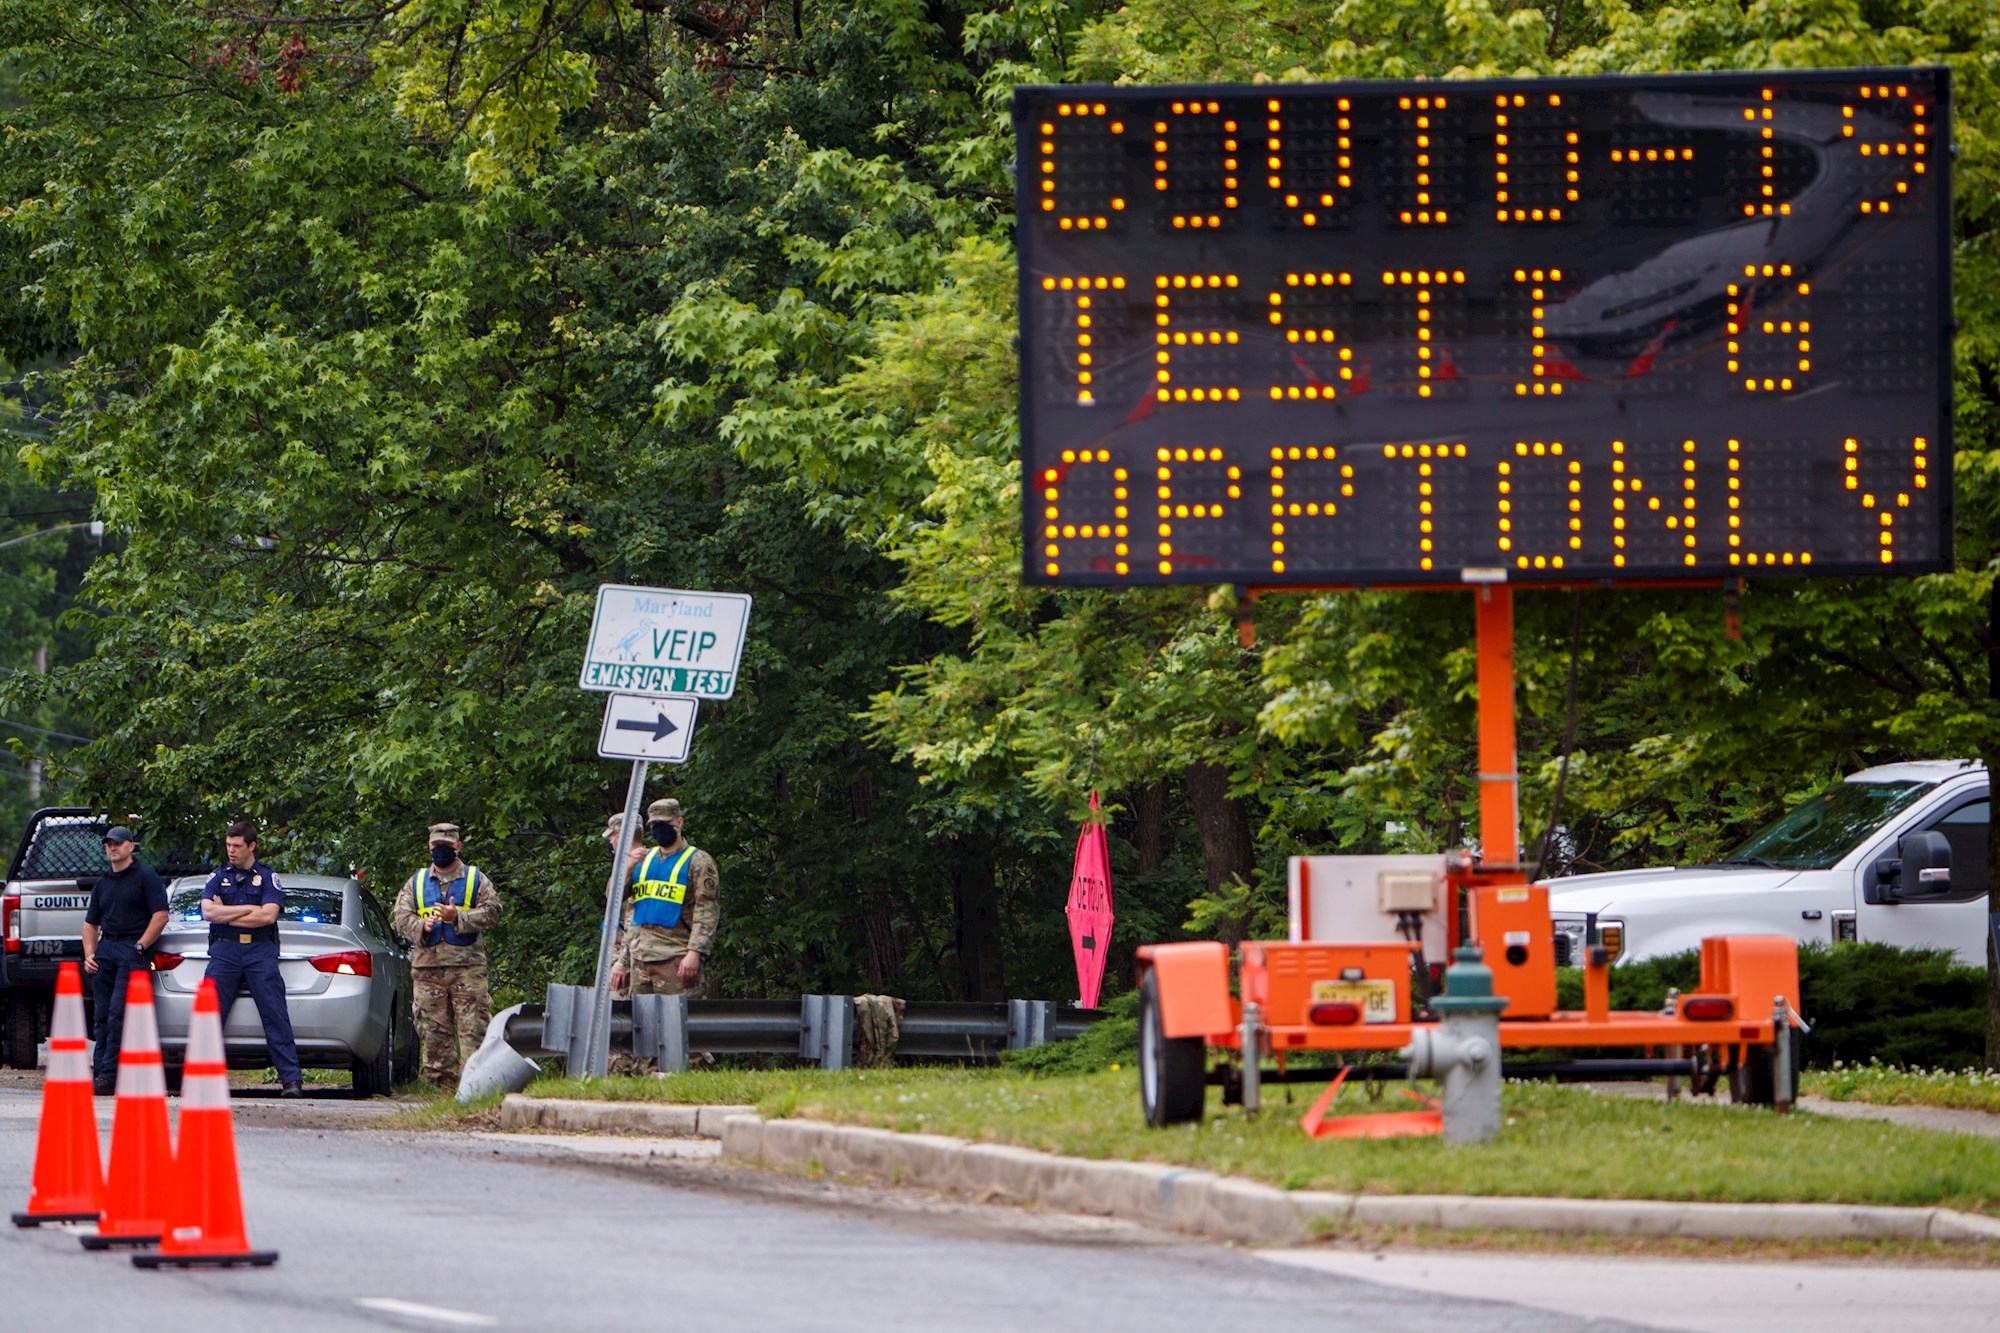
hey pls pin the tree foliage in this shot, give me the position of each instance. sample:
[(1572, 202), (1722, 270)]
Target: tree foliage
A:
[(395, 330)]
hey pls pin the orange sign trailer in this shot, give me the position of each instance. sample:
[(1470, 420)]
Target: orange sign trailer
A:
[(1355, 996)]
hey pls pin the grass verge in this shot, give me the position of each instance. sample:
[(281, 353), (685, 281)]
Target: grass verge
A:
[(700, 1087), (1885, 1085), (434, 1110), (1558, 1141)]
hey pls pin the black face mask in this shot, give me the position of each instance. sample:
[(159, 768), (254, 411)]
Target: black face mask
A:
[(443, 854), (664, 832)]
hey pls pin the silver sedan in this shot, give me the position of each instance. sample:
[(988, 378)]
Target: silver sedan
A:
[(347, 983)]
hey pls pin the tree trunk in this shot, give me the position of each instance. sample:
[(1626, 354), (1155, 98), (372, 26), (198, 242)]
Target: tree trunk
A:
[(1150, 809), (976, 907), (885, 952), (1224, 827)]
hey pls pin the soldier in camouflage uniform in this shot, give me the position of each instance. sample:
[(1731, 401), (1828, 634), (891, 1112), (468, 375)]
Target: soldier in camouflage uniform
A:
[(676, 897), (443, 909)]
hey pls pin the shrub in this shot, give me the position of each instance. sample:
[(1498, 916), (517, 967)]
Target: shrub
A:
[(1913, 1008), (1113, 1039)]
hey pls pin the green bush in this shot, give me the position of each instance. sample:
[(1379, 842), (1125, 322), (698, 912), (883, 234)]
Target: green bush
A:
[(1912, 1008), (1113, 1039)]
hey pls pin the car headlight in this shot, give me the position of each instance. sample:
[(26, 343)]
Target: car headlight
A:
[(1573, 933)]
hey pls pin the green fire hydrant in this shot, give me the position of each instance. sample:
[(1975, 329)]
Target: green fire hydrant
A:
[(1464, 1048)]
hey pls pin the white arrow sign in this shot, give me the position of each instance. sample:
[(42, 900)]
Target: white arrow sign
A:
[(648, 727), (665, 641)]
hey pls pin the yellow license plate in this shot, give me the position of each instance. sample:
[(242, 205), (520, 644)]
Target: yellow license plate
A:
[(1376, 998)]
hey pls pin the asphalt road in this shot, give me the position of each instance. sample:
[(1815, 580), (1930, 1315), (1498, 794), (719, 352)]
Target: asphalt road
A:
[(381, 1229), (479, 1233)]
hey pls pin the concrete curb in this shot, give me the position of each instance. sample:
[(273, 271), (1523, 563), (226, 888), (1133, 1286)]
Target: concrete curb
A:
[(654, 1119), (1231, 1209), (1201, 1202)]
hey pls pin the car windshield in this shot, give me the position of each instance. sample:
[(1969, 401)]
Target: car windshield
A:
[(308, 907), (1824, 829)]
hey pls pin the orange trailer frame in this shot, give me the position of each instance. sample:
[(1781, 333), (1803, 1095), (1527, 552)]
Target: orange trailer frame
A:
[(1749, 986)]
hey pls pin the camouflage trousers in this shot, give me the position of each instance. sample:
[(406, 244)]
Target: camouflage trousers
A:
[(658, 978), (451, 1007)]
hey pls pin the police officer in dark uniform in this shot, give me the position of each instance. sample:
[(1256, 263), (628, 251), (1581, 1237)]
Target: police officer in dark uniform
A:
[(241, 903), (128, 910)]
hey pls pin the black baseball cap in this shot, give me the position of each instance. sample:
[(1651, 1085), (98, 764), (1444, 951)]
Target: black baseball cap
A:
[(119, 833)]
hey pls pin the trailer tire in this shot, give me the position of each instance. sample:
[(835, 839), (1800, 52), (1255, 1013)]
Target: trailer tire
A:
[(1173, 1073), (19, 1037), (1753, 1081)]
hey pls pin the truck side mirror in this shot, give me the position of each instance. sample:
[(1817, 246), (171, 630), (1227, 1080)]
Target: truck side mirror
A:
[(1920, 870)]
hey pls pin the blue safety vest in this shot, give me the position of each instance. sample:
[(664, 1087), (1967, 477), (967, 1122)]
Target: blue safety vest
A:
[(427, 910), (659, 889)]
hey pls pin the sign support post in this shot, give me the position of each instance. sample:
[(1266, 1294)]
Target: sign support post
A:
[(597, 1036)]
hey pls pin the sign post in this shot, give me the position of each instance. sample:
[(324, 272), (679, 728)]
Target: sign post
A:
[(646, 643), (597, 1037)]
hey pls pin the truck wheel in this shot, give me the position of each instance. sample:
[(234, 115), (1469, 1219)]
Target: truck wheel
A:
[(1173, 1080), (19, 1036)]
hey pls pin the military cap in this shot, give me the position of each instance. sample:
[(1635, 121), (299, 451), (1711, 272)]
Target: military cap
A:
[(614, 826), (664, 808), (444, 833)]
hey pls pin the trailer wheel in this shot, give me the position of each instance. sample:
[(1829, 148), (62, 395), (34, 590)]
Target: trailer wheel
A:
[(1173, 1080), (1754, 1080), (19, 1035)]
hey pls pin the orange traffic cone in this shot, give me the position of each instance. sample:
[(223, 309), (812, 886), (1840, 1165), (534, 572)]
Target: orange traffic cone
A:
[(205, 1220), (139, 1180), (69, 1182)]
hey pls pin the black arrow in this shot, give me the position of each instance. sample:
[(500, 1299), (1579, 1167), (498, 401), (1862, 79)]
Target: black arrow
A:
[(661, 728)]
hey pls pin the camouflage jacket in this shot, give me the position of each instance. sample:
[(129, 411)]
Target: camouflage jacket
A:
[(695, 933), (481, 917)]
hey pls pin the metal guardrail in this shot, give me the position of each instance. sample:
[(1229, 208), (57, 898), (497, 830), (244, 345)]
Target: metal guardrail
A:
[(814, 1028)]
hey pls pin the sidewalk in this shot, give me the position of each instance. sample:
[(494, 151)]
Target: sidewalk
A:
[(1985, 1124), (1203, 1203)]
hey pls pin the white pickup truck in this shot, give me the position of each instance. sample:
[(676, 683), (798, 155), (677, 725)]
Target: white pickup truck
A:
[(1896, 854)]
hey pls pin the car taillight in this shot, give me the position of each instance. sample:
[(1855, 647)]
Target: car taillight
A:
[(10, 922), (1335, 1014), (1708, 1008), (351, 963), (165, 962)]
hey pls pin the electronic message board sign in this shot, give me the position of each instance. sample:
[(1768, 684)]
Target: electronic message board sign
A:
[(1543, 330)]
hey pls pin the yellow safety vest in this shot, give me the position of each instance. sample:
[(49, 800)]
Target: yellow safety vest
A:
[(659, 891), (447, 933)]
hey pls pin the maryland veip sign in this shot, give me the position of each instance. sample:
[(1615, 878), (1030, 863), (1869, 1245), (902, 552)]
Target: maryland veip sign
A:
[(665, 641)]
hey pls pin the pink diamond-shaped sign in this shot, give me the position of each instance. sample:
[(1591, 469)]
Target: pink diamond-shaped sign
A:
[(1089, 911)]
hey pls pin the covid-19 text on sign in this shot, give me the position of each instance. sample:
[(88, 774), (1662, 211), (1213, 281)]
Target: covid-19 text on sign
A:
[(1661, 327)]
